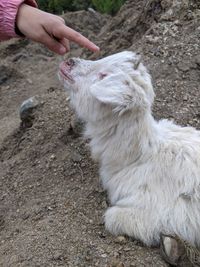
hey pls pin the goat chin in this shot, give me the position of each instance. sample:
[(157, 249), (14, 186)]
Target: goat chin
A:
[(151, 169)]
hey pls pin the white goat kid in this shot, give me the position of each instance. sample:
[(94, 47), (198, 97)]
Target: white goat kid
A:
[(150, 169)]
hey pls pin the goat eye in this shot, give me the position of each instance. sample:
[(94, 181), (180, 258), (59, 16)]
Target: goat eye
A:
[(102, 75)]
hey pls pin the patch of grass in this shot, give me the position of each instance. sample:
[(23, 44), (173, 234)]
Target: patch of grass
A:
[(108, 6)]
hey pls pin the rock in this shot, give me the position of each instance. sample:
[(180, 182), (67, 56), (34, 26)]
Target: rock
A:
[(152, 39), (29, 81), (76, 127), (76, 157), (104, 204), (58, 256), (52, 157), (116, 263), (27, 108), (174, 9), (165, 4), (120, 240), (25, 216), (183, 66), (92, 10), (19, 56), (6, 74), (2, 222), (197, 61)]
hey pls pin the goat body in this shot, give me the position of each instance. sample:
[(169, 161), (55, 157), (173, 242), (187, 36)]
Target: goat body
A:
[(150, 169)]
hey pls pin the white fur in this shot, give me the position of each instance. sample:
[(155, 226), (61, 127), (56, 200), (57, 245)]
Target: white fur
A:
[(151, 169)]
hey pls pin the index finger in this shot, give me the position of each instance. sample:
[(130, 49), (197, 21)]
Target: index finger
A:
[(76, 37)]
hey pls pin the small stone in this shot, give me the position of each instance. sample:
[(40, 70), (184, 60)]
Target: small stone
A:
[(19, 56), (76, 157), (25, 216), (116, 254), (127, 249), (177, 22), (5, 74), (83, 164), (104, 204), (120, 240), (197, 60), (183, 66), (58, 256), (2, 222), (152, 40), (102, 235), (50, 89), (52, 157), (76, 127), (116, 263), (29, 81), (92, 10), (26, 110)]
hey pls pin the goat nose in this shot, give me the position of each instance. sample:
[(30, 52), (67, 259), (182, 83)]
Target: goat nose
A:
[(70, 62)]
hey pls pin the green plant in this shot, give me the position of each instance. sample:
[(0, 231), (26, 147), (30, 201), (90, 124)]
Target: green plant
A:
[(43, 4), (80, 4), (108, 6), (57, 6)]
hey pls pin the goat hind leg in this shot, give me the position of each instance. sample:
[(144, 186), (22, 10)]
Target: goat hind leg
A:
[(132, 222)]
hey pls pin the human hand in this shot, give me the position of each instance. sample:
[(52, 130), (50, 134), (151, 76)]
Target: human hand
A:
[(49, 30)]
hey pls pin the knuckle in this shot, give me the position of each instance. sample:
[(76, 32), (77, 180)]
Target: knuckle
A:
[(58, 27), (62, 20)]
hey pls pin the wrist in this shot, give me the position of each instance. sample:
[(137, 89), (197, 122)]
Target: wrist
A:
[(22, 16), (22, 19)]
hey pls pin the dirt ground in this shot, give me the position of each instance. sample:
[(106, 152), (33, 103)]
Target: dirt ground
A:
[(51, 200)]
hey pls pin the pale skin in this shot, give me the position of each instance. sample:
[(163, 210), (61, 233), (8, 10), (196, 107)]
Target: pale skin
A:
[(49, 30)]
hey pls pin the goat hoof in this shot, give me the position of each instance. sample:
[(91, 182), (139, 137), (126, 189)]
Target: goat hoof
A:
[(178, 252)]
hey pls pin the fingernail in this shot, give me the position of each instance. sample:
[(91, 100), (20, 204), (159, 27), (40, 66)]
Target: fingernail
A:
[(97, 48), (62, 50)]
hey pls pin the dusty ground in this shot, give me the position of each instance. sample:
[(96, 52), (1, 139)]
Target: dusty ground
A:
[(51, 201)]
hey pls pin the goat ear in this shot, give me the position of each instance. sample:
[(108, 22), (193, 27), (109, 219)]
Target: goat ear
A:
[(119, 91), (112, 90)]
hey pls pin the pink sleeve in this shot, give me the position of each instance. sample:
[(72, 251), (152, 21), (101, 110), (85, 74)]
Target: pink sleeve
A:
[(8, 12)]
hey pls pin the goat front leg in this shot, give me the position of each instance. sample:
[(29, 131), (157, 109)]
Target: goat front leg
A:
[(133, 222)]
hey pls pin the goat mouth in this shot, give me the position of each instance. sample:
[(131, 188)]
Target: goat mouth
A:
[(64, 72)]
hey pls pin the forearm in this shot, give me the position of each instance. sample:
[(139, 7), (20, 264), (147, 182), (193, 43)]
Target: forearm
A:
[(8, 13)]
